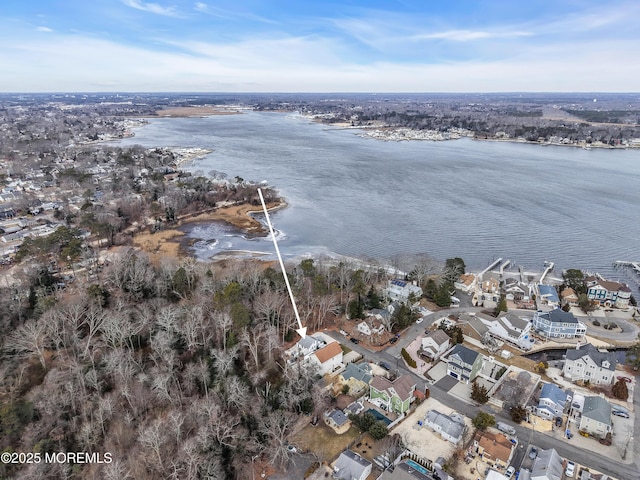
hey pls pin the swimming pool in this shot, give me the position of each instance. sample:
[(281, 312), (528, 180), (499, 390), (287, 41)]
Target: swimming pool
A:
[(378, 416), (417, 467)]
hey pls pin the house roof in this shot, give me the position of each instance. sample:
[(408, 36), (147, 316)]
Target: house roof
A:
[(466, 355), (467, 279), (350, 465), (598, 409), (438, 336), (404, 385), (560, 316), (359, 372), (608, 285), (547, 466), (568, 293), (548, 291), (308, 341), (596, 355), (338, 417), (497, 445), (554, 393), (451, 425), (330, 351)]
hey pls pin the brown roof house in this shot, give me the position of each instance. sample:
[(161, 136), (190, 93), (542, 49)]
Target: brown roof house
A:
[(495, 449), (328, 359)]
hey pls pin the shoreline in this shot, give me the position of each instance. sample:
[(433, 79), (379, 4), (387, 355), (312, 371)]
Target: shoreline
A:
[(171, 241)]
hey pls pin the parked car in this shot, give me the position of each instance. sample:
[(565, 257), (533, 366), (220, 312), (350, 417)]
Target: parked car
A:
[(620, 413), (420, 320), (533, 453), (625, 379), (354, 340), (506, 428), (344, 333), (510, 471), (570, 470), (393, 340), (385, 365), (558, 421)]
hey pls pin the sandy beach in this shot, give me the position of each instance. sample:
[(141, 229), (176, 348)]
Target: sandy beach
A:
[(169, 242)]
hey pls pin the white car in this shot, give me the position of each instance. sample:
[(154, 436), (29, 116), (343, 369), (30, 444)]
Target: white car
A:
[(344, 333), (420, 320), (510, 471), (570, 470)]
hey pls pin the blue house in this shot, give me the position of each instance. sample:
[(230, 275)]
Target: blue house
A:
[(558, 324), (552, 401)]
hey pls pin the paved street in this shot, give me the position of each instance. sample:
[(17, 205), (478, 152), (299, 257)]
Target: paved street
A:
[(600, 462)]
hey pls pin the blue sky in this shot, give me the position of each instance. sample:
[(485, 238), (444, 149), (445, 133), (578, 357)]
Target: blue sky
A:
[(319, 46)]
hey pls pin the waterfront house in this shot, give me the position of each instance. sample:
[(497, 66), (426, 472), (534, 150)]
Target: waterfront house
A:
[(508, 327), (351, 466), (449, 427), (547, 295), (596, 417), (466, 283), (552, 401), (435, 344), (587, 363), (394, 395), (569, 297), (548, 465), (495, 449), (608, 294), (464, 363), (400, 290), (558, 324)]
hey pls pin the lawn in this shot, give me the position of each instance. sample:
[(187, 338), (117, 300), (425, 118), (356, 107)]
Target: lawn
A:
[(324, 441)]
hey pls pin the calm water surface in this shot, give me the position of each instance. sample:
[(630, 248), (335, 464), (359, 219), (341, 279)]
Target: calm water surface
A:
[(363, 197)]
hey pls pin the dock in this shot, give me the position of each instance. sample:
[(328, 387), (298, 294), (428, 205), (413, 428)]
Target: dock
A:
[(550, 266), (496, 262)]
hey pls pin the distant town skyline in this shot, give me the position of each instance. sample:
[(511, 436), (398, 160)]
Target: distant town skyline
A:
[(326, 46)]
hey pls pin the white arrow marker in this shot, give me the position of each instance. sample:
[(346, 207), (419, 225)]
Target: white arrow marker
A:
[(302, 331)]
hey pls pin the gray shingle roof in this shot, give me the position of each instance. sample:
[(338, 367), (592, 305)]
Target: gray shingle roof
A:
[(597, 356), (465, 354), (598, 409), (350, 465)]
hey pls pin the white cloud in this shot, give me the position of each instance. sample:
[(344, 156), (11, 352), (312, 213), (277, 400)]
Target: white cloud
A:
[(44, 29), (201, 7), (151, 8), (469, 35)]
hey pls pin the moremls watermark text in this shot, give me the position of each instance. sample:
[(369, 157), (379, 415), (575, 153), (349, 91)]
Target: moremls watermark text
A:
[(55, 457)]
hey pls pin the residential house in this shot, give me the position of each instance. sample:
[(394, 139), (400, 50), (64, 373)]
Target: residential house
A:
[(337, 420), (435, 344), (400, 290), (548, 465), (547, 295), (569, 297), (587, 363), (495, 449), (552, 401), (328, 358), (357, 377), (449, 427), (596, 417), (466, 283), (516, 291), (307, 345), (351, 466), (464, 363), (558, 324), (488, 293), (370, 326), (394, 395), (509, 327), (608, 294)]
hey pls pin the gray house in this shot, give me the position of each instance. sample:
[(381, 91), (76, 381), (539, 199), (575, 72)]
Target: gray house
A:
[(552, 401), (351, 466), (548, 465), (450, 427), (558, 324), (587, 363), (464, 363), (596, 416)]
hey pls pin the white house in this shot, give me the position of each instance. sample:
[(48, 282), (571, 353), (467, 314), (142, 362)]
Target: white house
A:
[(400, 291), (509, 327), (466, 283), (351, 466), (450, 427), (435, 344), (329, 358), (587, 363)]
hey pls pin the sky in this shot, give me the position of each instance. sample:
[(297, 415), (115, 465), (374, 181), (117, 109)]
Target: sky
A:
[(319, 46)]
